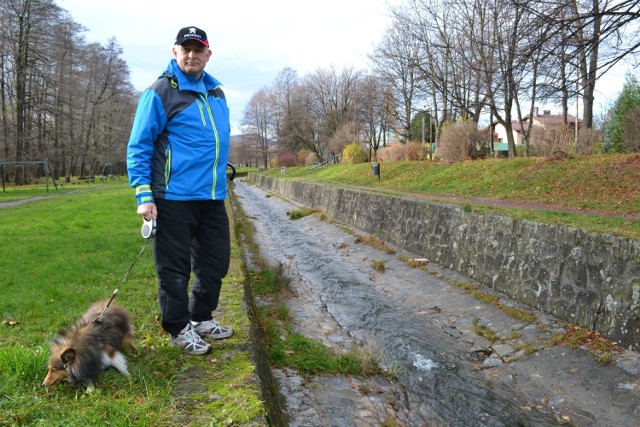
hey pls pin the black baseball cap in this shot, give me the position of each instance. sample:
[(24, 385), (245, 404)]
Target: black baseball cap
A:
[(192, 33)]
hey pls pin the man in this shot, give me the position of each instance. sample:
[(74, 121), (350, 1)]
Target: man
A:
[(177, 159)]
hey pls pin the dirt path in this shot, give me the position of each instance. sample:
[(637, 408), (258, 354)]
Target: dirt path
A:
[(36, 198), (488, 201), (22, 201)]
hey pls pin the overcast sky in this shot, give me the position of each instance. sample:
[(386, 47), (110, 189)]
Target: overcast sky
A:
[(252, 40)]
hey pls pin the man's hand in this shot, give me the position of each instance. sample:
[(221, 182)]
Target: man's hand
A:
[(148, 211)]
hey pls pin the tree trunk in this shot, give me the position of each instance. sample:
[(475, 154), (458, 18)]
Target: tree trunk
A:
[(21, 86)]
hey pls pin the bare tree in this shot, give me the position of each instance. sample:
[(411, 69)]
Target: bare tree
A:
[(596, 34), (61, 99), (395, 62), (470, 56), (296, 128), (259, 120), (447, 64), (630, 132), (307, 126), (376, 111), (509, 55), (284, 87), (333, 96)]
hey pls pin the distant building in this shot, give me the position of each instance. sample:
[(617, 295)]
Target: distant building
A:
[(546, 124)]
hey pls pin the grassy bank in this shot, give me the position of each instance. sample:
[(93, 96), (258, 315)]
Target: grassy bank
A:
[(59, 255), (607, 183)]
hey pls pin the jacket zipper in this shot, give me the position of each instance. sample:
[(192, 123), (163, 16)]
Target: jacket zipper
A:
[(215, 135), (167, 167), (204, 120)]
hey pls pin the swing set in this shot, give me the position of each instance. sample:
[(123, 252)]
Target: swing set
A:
[(45, 165)]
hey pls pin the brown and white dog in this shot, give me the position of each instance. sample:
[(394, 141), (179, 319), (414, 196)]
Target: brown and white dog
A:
[(80, 353)]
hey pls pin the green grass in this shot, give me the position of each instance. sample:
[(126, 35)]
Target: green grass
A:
[(485, 331), (601, 182), (59, 255), (300, 213), (245, 169), (306, 355), (488, 298), (378, 266), (11, 192), (287, 348), (374, 242)]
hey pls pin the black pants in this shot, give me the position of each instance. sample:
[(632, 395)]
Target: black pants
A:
[(191, 236)]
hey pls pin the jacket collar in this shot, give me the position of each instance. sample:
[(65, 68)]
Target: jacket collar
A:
[(185, 83)]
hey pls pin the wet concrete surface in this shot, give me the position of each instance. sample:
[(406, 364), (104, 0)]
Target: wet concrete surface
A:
[(424, 329)]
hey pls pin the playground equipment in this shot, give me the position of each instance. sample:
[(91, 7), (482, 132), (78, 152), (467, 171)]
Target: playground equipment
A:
[(45, 166)]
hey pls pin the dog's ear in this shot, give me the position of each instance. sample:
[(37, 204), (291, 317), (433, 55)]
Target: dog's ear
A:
[(68, 356)]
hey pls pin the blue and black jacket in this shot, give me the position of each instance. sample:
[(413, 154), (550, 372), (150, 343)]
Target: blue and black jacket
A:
[(179, 143)]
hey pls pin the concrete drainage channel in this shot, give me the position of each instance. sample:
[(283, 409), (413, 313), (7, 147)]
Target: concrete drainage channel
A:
[(425, 331)]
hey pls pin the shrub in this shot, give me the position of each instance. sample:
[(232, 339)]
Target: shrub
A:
[(417, 151), (458, 141), (310, 159), (414, 151), (302, 156), (621, 131), (287, 159), (392, 153), (630, 132), (343, 136), (548, 144), (354, 153)]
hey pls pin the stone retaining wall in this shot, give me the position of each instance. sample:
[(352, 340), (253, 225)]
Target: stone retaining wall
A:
[(588, 279)]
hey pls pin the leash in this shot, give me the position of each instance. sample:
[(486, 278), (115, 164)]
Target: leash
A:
[(100, 317), (148, 231)]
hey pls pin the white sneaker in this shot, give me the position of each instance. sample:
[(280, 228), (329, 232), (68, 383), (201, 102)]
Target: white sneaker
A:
[(190, 341), (211, 329)]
